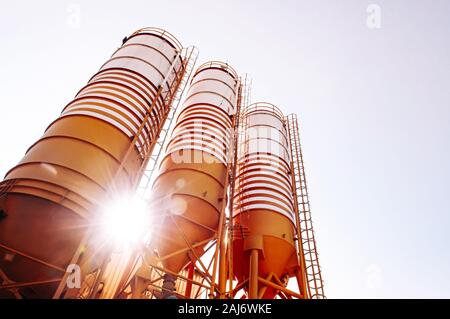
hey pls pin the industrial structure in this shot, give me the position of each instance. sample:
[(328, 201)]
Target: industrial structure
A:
[(212, 196)]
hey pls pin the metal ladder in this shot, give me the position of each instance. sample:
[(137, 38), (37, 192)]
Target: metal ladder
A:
[(242, 147), (313, 270)]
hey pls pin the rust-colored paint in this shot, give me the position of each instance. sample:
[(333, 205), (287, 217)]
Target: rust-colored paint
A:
[(83, 159), (187, 194)]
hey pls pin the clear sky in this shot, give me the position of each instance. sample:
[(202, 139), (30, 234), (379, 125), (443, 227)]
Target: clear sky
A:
[(374, 105)]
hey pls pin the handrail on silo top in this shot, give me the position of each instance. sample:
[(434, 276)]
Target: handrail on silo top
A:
[(163, 34), (263, 106), (219, 65)]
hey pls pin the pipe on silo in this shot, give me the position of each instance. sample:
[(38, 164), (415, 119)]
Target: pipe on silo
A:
[(263, 214), (85, 158), (187, 194)]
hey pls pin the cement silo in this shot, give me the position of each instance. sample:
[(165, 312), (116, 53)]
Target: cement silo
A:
[(188, 194), (94, 151), (264, 215)]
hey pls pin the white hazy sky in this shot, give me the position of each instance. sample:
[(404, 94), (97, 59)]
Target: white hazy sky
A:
[(374, 106)]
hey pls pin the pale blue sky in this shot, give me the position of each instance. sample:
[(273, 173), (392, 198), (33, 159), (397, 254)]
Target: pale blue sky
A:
[(374, 107)]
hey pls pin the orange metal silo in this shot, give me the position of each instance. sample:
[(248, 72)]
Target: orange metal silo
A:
[(95, 150), (188, 193), (263, 216)]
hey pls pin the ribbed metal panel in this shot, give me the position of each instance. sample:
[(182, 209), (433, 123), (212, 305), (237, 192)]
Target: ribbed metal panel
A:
[(263, 173), (187, 194)]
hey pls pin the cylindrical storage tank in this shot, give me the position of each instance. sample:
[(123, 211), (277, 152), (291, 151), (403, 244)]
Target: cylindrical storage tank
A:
[(263, 214), (187, 194), (81, 161)]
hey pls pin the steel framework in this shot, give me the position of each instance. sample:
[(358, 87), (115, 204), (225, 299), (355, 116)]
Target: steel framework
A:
[(139, 273)]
